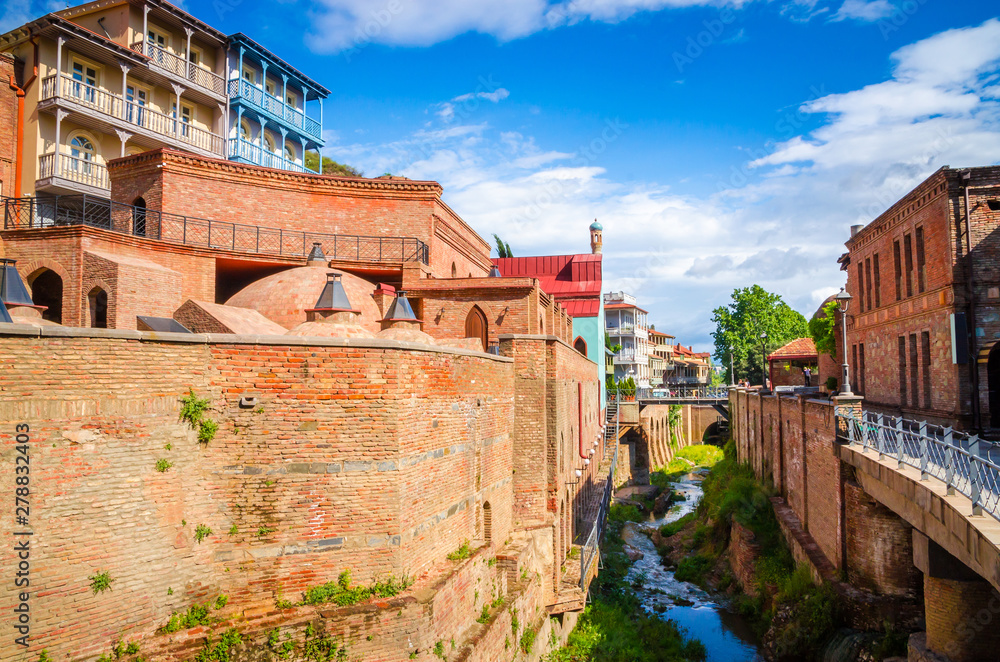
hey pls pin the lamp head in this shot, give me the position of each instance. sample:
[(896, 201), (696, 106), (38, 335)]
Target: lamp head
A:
[(843, 300)]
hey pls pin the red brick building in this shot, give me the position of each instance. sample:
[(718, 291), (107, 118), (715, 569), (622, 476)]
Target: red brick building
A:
[(8, 123), (925, 316), (786, 364)]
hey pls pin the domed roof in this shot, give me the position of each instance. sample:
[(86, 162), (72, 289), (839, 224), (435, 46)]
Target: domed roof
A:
[(820, 313), (596, 226), (406, 334), (284, 297), (326, 329)]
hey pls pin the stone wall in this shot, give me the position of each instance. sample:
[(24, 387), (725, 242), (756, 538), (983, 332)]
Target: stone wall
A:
[(377, 458)]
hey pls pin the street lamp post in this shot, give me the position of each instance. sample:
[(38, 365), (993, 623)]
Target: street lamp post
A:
[(732, 370), (843, 300)]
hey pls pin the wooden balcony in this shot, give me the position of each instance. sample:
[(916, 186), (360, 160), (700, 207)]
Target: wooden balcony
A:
[(178, 68), (98, 103)]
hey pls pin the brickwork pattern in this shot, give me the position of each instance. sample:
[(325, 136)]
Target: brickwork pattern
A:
[(372, 460), (954, 612), (879, 546), (8, 128)]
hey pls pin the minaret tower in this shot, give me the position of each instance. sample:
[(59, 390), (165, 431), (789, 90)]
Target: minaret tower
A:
[(596, 242)]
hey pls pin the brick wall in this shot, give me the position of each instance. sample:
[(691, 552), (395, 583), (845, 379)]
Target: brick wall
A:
[(743, 555), (372, 459), (8, 128), (955, 613), (879, 546), (226, 191), (822, 479), (936, 389)]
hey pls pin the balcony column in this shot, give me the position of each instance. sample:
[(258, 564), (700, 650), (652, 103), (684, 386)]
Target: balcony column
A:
[(59, 44), (125, 114), (60, 115), (320, 114), (178, 91), (284, 137), (187, 56), (239, 72), (263, 84), (239, 133), (123, 136), (284, 101), (145, 28), (303, 141)]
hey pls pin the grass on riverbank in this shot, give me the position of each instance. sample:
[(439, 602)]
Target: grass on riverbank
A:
[(614, 627), (686, 460), (790, 610)]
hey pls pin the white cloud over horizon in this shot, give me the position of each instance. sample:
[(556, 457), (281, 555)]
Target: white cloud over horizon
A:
[(782, 226)]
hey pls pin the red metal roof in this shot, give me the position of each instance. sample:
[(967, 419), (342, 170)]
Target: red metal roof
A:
[(581, 307), (800, 348), (562, 276)]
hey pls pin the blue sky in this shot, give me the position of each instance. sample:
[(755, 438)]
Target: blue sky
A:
[(720, 143)]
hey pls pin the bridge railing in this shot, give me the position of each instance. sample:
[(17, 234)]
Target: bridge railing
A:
[(962, 462), (590, 554), (683, 393)]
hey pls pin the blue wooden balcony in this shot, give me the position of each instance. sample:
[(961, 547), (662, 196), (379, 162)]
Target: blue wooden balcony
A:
[(244, 151), (274, 109)]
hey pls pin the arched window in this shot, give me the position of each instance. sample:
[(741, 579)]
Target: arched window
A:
[(82, 149), (454, 270), (97, 301), (139, 217), (580, 345), (47, 290), (269, 144), (487, 522), (245, 133), (290, 153), (475, 326)]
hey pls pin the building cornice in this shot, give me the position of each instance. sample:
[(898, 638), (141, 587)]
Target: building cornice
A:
[(179, 161)]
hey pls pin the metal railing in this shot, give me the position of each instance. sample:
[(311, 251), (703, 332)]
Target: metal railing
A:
[(96, 212), (244, 149), (590, 553), (962, 462), (255, 96), (683, 393), (178, 66), (108, 103)]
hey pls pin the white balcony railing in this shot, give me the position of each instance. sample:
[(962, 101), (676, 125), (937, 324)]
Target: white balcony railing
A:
[(75, 169), (176, 64), (112, 105)]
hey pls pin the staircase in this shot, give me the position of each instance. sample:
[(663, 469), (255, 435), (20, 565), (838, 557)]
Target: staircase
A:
[(611, 428)]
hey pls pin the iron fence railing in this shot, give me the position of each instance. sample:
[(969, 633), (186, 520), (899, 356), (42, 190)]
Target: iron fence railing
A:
[(962, 462), (93, 211), (591, 550), (683, 393)]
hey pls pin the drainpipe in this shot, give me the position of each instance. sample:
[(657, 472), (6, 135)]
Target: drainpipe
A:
[(21, 92), (966, 179)]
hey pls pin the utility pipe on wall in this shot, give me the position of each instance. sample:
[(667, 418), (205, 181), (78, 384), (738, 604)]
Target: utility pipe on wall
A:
[(21, 91)]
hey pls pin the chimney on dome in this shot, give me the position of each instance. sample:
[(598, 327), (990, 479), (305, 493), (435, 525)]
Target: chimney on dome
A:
[(316, 256)]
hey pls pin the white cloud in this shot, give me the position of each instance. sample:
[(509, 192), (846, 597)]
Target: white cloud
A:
[(465, 104), (340, 25), (782, 224), (863, 10)]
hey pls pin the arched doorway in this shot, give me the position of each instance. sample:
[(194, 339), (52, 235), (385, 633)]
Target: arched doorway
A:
[(139, 217), (580, 345), (97, 301), (47, 290), (475, 326), (993, 375)]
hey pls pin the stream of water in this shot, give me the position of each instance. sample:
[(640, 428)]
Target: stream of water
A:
[(726, 636)]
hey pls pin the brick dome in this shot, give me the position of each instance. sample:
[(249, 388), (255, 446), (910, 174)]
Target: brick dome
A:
[(284, 297)]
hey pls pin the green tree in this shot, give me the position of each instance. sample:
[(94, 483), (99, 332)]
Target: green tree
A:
[(821, 328), (503, 249), (331, 167), (739, 326)]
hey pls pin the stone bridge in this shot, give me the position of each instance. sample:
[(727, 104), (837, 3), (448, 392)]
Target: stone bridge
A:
[(910, 547)]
